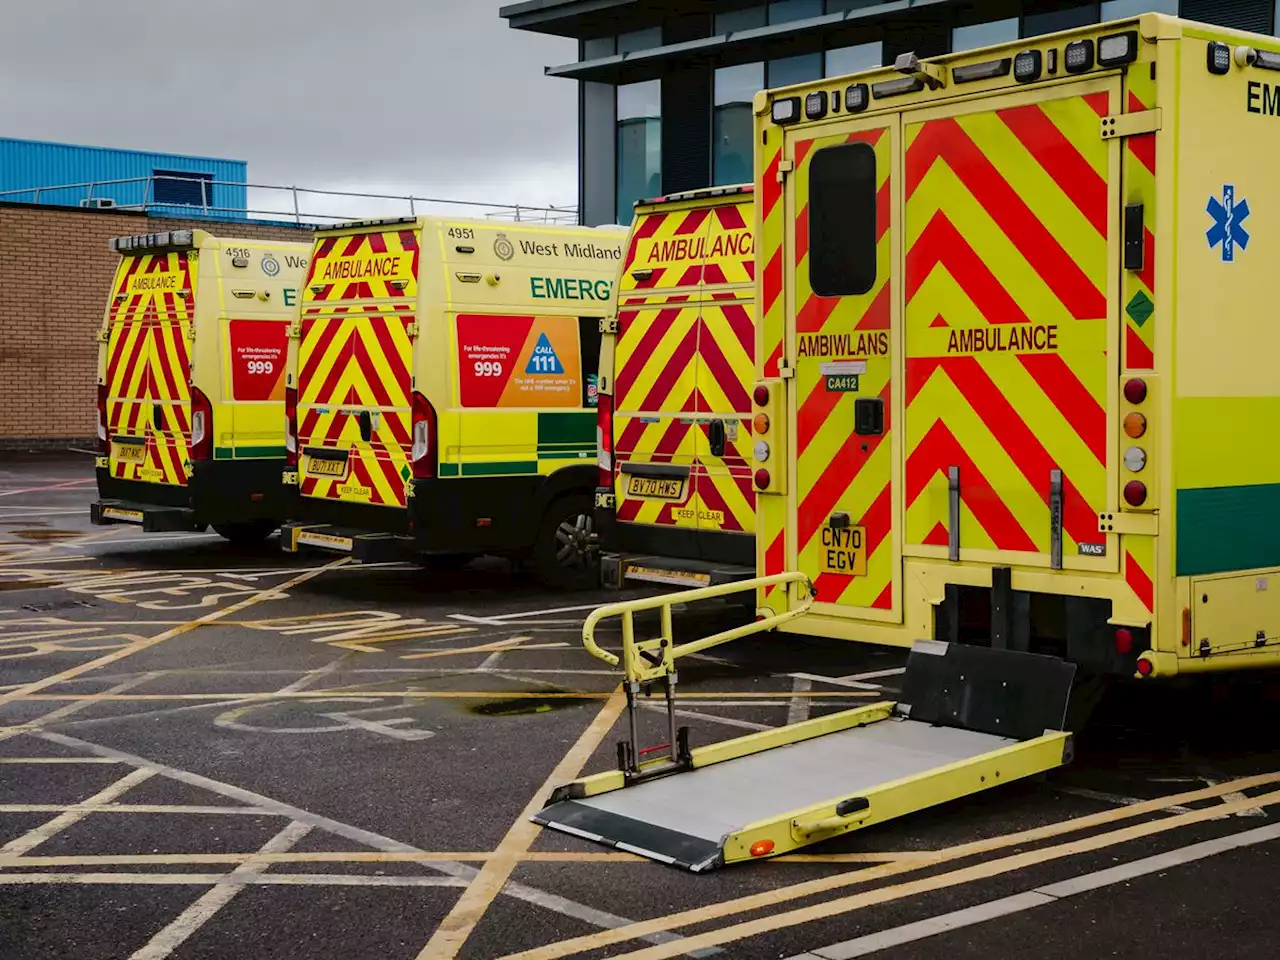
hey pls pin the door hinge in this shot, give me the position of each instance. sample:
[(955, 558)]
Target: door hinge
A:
[(784, 371), (609, 325), (294, 331), (785, 167), (1130, 124), (411, 329)]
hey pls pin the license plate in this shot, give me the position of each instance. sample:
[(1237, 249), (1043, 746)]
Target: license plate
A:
[(657, 487), (678, 578), (327, 541), (843, 551), (119, 513), (131, 452), (326, 468)]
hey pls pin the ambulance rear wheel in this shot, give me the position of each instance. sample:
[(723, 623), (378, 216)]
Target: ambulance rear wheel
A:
[(246, 533), (567, 552)]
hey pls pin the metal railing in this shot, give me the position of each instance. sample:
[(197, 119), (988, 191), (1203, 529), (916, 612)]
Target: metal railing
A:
[(299, 205), (646, 661)]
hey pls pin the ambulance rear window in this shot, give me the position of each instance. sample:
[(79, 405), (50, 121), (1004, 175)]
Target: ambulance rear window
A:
[(842, 220)]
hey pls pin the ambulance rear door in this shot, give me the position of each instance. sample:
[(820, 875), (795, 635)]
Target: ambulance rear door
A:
[(354, 365)]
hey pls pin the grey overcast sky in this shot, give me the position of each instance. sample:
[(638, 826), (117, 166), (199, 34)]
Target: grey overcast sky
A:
[(436, 97)]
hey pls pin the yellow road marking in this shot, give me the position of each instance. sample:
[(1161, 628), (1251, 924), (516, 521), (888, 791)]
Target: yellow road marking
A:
[(26, 690), (981, 871), (481, 892), (379, 856), (57, 760), (512, 644), (809, 888), (422, 694)]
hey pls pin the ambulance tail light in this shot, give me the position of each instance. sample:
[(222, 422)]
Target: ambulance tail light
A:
[(291, 426), (1135, 493), (762, 478), (768, 436), (1135, 390), (201, 426), (424, 438), (604, 440), (104, 439), (1124, 641)]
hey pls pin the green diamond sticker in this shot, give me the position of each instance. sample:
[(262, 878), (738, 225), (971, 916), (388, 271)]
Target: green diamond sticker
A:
[(1140, 308), (405, 472)]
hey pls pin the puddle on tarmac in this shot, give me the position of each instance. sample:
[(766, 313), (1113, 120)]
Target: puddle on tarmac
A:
[(43, 534), (521, 706)]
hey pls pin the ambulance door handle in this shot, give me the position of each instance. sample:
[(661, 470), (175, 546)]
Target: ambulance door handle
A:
[(1134, 240), (157, 416), (716, 437), (365, 420)]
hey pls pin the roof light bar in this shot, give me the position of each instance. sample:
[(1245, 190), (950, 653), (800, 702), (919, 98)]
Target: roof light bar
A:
[(379, 222), (987, 70), (702, 193), (1078, 57), (896, 88), (1027, 66), (786, 110), (153, 241), (1118, 49)]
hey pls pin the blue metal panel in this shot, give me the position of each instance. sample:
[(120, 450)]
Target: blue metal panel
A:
[(30, 164)]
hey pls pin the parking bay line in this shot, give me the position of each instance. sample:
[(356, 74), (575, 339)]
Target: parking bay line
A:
[(520, 891), (37, 685), (227, 880), (1039, 896), (809, 888), (981, 871), (745, 695)]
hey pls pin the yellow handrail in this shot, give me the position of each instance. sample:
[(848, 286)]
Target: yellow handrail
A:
[(645, 660)]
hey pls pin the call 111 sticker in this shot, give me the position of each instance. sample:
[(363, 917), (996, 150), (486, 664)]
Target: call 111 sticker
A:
[(518, 361)]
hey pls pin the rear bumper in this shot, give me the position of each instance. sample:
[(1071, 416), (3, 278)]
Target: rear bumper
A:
[(362, 546), (148, 516), (219, 491), (676, 555)]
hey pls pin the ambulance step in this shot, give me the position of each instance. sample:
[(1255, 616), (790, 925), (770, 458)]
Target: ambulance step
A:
[(763, 795), (362, 545), (150, 517), (617, 569)]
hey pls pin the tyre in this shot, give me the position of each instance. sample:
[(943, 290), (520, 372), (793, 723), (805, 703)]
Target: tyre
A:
[(444, 562), (247, 533), (567, 551)]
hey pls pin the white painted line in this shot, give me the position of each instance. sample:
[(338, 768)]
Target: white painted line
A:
[(153, 540), (462, 871), (203, 910), (57, 760), (1116, 798), (798, 708), (224, 879), (505, 618), (1050, 893), (710, 717), (876, 674), (33, 838)]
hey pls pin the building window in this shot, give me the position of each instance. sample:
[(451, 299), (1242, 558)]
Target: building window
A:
[(983, 34), (750, 18), (862, 56), (1124, 9), (645, 39), (784, 11), (842, 220), (1051, 21), (182, 188), (799, 69), (639, 144), (731, 122), (844, 6)]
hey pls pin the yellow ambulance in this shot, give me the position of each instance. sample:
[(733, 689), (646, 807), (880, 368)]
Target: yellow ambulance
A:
[(441, 392), (675, 502), (191, 383), (1016, 355)]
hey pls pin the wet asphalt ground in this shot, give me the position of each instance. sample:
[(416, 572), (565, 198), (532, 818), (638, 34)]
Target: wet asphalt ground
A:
[(208, 751)]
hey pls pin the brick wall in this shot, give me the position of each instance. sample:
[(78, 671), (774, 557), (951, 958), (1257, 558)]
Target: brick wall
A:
[(55, 275)]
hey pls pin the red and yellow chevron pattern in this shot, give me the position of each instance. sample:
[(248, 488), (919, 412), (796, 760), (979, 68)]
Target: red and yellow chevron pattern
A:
[(1006, 224), (1139, 288), (148, 368), (354, 366), (837, 470)]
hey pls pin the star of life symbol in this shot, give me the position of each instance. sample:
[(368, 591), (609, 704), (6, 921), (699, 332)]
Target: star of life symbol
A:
[(1228, 215)]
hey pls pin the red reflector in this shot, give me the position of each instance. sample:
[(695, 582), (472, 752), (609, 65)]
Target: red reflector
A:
[(1135, 391), (1124, 641), (1135, 493), (760, 395), (762, 478), (762, 848), (1145, 668)]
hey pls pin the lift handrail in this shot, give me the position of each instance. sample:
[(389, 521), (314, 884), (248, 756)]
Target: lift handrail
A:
[(638, 660)]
